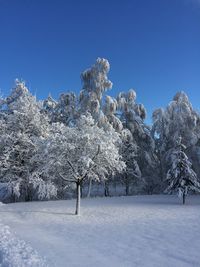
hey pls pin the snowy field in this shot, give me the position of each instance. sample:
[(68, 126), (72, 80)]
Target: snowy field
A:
[(137, 231)]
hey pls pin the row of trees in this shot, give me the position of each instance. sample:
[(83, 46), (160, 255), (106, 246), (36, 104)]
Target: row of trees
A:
[(51, 147)]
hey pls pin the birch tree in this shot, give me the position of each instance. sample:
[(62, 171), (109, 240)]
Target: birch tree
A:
[(132, 117)]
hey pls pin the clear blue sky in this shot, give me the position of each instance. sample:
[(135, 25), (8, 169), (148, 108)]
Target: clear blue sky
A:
[(152, 46)]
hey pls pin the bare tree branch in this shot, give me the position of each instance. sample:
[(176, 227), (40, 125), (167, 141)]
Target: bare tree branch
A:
[(98, 151), (70, 164), (86, 172)]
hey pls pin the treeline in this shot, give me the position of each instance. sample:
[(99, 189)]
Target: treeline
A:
[(92, 142)]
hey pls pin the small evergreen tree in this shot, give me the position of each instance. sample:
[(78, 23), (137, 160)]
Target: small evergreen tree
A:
[(180, 176)]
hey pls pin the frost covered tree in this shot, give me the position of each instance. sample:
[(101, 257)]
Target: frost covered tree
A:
[(95, 84), (23, 112), (49, 106), (92, 98), (181, 177), (34, 133), (64, 110), (178, 119), (132, 117), (131, 176), (77, 154), (110, 110), (22, 127), (69, 108)]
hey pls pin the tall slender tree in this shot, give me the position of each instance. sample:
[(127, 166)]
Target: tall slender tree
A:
[(132, 117)]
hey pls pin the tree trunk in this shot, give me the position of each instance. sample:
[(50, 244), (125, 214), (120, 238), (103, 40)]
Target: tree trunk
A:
[(161, 169), (126, 184), (78, 198), (127, 188), (28, 196), (89, 187), (183, 198), (106, 190), (81, 189)]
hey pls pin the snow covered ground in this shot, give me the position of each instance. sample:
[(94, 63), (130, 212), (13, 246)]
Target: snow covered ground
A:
[(137, 231), (15, 252)]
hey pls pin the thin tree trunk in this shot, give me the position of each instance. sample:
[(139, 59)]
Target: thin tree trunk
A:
[(127, 188), (183, 198), (28, 196), (89, 187), (81, 191), (78, 198), (161, 167), (127, 185), (106, 190)]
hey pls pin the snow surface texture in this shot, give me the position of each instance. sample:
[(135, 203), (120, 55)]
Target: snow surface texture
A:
[(142, 231), (15, 252)]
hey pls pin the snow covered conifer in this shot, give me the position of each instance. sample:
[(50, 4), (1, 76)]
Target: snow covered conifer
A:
[(180, 176)]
